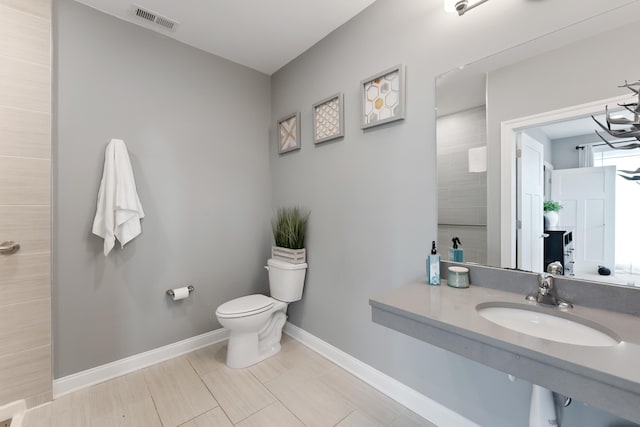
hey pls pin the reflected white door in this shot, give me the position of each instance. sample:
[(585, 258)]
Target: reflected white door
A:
[(588, 197), (530, 199)]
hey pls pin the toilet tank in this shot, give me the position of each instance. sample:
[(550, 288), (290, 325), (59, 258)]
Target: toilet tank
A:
[(286, 280)]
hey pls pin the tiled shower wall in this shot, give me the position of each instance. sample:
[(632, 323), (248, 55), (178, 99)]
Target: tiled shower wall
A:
[(25, 200), (462, 196)]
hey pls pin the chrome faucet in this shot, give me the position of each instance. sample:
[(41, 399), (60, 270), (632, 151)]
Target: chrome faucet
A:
[(546, 293)]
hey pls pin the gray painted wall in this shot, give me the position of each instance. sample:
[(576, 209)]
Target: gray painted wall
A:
[(562, 78), (564, 150), (373, 193), (197, 131)]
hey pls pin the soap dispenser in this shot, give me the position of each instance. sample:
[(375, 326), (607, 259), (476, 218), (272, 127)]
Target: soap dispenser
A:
[(455, 253), (433, 266)]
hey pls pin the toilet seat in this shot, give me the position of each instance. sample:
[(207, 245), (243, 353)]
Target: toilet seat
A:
[(245, 306)]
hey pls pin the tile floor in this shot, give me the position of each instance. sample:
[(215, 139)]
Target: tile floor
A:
[(297, 387)]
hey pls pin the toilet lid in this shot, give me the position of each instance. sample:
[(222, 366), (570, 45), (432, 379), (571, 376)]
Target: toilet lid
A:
[(245, 306)]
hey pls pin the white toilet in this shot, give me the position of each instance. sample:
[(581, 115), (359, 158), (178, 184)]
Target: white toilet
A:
[(256, 321)]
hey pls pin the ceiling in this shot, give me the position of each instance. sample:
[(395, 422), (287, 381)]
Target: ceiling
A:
[(573, 127), (263, 35)]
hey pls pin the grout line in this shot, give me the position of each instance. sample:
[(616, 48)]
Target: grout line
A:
[(24, 61), (292, 413), (264, 384), (295, 382), (217, 405), (201, 379), (3, 306), (23, 205), (184, 356), (198, 415), (4, 156), (250, 415), (29, 110), (345, 417), (146, 384), (31, 14), (208, 389), (38, 347)]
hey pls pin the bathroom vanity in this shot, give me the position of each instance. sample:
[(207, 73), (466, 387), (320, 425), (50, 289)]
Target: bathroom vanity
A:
[(604, 376)]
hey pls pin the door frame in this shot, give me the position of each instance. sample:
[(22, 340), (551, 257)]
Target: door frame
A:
[(508, 130)]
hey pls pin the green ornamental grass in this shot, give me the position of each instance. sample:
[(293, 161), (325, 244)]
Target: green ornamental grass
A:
[(289, 227)]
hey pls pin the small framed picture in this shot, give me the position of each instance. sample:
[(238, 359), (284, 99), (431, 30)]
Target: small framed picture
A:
[(289, 133), (328, 118), (383, 97)]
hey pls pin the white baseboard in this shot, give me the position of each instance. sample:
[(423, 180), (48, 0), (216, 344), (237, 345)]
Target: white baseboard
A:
[(406, 396), (124, 366)]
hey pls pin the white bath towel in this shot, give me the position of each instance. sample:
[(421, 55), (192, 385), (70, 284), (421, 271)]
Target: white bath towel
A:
[(478, 159), (119, 210)]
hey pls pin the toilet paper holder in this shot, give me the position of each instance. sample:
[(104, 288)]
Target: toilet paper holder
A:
[(171, 294)]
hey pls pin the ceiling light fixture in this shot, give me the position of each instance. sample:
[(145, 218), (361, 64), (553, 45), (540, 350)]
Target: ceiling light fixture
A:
[(461, 6)]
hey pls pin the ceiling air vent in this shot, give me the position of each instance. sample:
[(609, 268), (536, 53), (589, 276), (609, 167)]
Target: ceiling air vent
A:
[(154, 18)]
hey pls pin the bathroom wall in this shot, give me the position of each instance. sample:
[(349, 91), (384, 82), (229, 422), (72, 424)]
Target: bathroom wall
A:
[(580, 73), (197, 131), (25, 200), (462, 195), (564, 150), (373, 194)]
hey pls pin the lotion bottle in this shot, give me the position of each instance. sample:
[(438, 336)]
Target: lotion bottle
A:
[(433, 266)]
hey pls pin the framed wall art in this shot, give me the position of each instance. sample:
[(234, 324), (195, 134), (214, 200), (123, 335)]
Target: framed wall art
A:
[(328, 118), (289, 133), (383, 97)]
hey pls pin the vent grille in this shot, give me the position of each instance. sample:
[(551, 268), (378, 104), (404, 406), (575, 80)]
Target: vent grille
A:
[(153, 17), (165, 22), (141, 13)]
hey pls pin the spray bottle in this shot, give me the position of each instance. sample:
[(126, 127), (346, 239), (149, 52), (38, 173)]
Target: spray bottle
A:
[(455, 253)]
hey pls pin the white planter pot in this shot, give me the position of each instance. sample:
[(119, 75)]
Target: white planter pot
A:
[(294, 256), (552, 217)]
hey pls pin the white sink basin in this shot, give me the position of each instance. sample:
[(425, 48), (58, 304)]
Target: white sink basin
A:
[(562, 327)]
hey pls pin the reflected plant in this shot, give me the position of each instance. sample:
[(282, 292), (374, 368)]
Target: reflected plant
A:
[(551, 206)]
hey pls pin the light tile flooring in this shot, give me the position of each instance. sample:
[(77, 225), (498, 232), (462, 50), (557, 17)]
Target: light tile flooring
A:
[(296, 387)]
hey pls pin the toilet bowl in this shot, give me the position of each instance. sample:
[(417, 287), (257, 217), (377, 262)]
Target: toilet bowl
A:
[(255, 321)]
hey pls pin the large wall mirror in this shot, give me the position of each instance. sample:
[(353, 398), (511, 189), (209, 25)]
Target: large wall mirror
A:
[(515, 131)]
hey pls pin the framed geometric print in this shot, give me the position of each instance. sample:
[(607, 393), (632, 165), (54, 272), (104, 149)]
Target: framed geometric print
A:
[(383, 97), (289, 133), (328, 118)]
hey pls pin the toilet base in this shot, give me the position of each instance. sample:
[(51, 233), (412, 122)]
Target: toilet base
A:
[(242, 351), (248, 348)]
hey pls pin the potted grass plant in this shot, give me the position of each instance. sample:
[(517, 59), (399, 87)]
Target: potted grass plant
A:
[(551, 209), (289, 229)]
